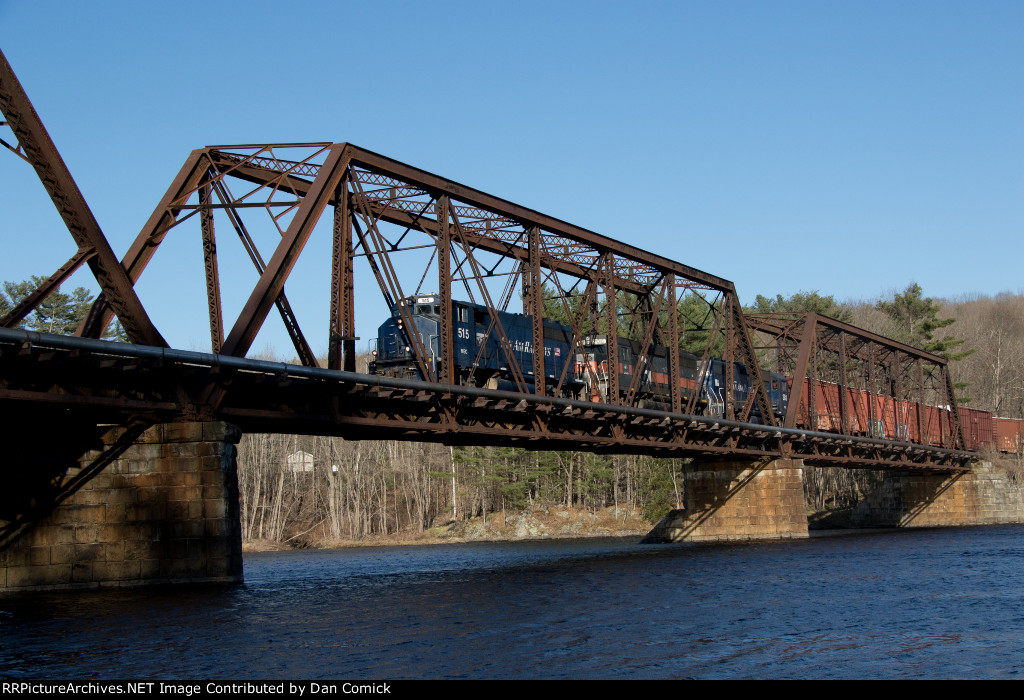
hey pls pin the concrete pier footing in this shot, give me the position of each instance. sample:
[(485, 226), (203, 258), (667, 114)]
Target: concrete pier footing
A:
[(164, 511)]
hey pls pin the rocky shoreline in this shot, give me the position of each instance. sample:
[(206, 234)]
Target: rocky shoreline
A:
[(538, 523)]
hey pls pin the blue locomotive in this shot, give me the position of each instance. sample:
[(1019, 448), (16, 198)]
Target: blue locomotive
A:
[(480, 360), (652, 388)]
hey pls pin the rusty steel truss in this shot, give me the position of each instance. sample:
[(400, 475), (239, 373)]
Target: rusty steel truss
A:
[(383, 209), (862, 377), (414, 232)]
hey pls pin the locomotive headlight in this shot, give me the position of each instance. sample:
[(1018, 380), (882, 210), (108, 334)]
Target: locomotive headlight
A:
[(407, 348), (374, 353)]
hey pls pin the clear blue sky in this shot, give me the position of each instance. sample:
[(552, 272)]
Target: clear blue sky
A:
[(845, 147)]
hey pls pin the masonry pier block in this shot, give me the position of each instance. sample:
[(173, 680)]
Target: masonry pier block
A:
[(985, 496), (738, 501), (165, 511)]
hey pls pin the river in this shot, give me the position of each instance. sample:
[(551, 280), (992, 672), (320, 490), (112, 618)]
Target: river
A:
[(938, 603)]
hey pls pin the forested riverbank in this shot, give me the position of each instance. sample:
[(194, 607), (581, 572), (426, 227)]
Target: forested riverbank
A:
[(316, 491)]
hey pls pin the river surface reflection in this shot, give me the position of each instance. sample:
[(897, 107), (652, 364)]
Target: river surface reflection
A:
[(941, 603)]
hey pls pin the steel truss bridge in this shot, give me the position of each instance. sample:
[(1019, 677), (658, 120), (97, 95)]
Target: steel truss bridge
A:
[(461, 243)]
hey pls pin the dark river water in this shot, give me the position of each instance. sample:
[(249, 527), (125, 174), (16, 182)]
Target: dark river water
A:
[(945, 603)]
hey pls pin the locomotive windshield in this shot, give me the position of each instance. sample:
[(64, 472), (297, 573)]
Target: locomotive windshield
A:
[(427, 309)]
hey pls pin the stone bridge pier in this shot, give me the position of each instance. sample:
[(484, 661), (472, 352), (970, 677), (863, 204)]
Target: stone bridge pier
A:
[(986, 495), (738, 501), (765, 500), (164, 510)]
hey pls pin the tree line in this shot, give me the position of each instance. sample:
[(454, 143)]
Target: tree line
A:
[(357, 488)]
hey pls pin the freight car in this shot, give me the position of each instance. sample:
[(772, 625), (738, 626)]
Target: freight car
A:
[(1008, 435), (886, 417)]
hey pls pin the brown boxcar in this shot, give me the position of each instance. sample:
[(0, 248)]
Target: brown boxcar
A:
[(977, 427), (826, 412), (938, 425), (1008, 434), (888, 418)]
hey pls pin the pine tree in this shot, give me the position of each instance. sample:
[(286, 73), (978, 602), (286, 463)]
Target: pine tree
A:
[(58, 313), (802, 302), (916, 318), (695, 318)]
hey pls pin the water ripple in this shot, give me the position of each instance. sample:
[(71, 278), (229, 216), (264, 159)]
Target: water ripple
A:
[(910, 604)]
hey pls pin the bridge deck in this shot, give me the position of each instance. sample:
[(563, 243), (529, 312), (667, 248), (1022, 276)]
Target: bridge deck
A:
[(113, 382)]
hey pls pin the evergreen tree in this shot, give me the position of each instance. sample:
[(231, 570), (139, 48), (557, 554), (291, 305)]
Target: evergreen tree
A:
[(58, 313), (801, 302), (555, 308), (693, 315), (115, 331), (596, 474), (657, 488), (916, 318), (14, 292)]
